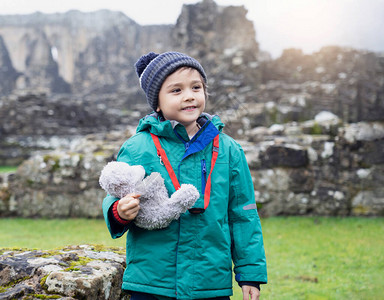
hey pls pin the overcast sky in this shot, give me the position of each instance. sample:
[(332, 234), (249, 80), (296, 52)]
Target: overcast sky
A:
[(279, 24)]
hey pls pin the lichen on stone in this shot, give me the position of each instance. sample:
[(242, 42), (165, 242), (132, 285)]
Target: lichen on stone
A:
[(79, 272)]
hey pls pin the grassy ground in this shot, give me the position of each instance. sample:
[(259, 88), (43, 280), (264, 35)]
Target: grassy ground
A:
[(5, 169), (324, 258), (308, 258)]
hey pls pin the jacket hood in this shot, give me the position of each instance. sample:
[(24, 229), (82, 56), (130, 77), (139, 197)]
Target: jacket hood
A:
[(156, 124)]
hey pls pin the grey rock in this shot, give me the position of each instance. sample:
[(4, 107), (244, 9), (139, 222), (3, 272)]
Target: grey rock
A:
[(76, 272), (284, 156), (368, 203)]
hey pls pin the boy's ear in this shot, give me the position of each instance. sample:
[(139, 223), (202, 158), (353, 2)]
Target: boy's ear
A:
[(158, 109)]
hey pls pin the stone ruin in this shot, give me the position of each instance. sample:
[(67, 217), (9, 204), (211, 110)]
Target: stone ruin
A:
[(94, 53), (311, 125)]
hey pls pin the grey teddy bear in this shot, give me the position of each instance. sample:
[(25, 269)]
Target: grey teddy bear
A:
[(157, 210)]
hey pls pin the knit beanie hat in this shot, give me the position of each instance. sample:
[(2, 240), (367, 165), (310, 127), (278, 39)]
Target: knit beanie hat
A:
[(153, 69)]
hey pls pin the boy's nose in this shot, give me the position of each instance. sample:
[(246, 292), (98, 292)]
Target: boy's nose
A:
[(189, 95)]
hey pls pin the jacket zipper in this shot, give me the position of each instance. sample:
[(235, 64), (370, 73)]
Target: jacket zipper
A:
[(203, 175), (177, 251)]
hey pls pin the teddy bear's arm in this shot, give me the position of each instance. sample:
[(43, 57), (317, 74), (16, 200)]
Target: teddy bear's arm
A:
[(183, 199)]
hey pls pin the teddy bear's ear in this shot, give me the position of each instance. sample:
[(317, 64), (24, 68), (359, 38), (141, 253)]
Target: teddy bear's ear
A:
[(138, 172), (107, 175), (119, 178), (103, 179)]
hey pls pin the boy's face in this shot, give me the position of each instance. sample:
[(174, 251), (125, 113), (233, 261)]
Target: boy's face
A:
[(182, 97)]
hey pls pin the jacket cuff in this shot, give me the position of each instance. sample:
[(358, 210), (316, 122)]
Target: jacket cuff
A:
[(116, 215), (256, 284)]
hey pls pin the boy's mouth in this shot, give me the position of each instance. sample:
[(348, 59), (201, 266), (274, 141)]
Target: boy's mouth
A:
[(189, 108)]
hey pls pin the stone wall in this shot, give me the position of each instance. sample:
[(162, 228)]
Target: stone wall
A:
[(7, 73), (62, 183), (318, 167), (75, 272), (36, 121)]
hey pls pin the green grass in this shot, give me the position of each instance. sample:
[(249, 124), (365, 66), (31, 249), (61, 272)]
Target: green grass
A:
[(324, 258), (5, 169), (54, 233), (308, 258)]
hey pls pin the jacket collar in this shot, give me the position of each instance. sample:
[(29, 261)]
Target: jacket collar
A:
[(157, 125)]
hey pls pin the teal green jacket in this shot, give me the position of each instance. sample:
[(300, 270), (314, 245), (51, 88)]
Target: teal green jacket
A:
[(192, 258)]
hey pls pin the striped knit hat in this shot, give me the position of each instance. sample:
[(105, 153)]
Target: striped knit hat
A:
[(153, 69)]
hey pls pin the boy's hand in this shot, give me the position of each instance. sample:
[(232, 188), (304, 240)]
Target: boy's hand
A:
[(128, 206), (250, 291)]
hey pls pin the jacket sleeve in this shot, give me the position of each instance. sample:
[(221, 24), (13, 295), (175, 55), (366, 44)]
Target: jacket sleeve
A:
[(115, 229), (246, 236)]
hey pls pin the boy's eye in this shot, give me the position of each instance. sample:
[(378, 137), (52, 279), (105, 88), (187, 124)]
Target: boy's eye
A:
[(177, 90), (197, 87)]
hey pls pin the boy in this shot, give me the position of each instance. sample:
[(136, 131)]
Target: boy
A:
[(192, 258)]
